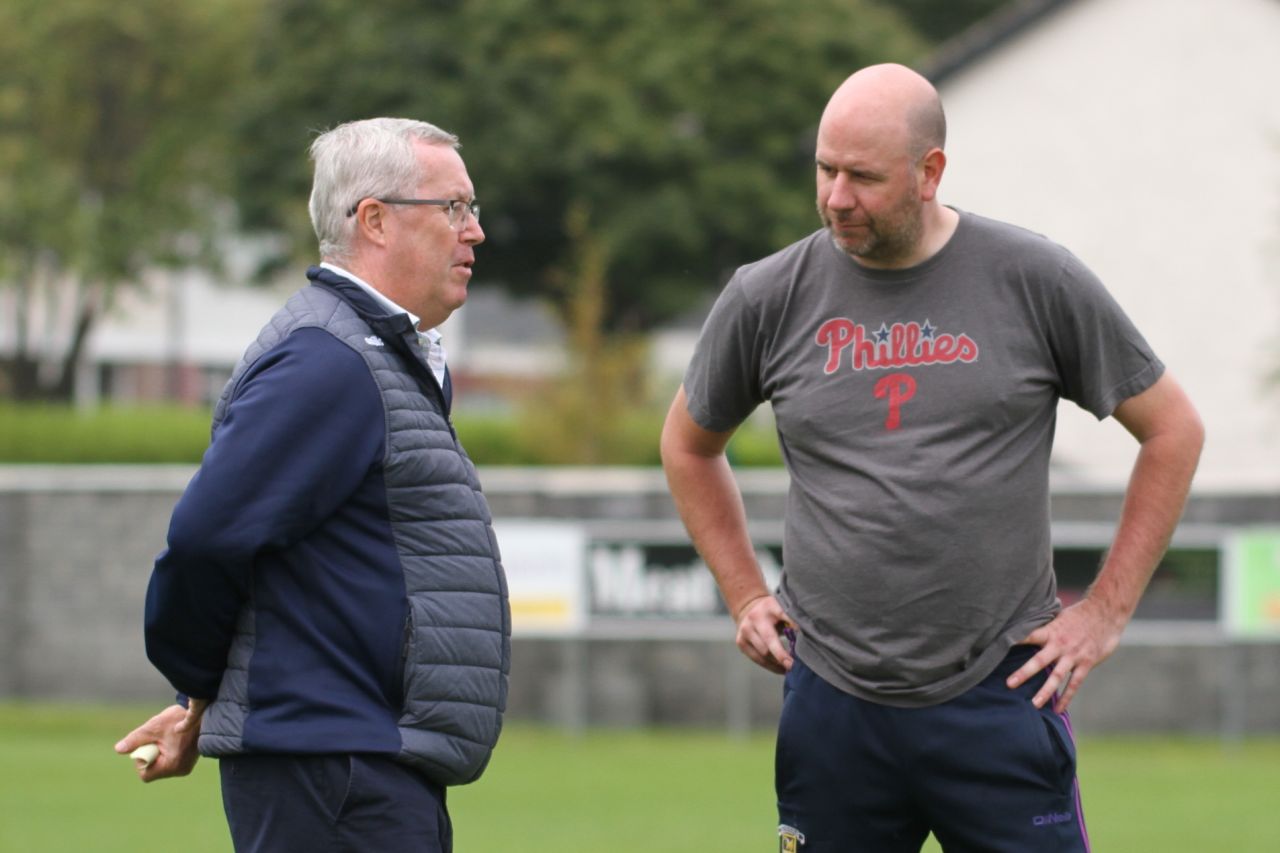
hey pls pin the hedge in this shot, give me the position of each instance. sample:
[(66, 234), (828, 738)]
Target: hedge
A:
[(50, 434)]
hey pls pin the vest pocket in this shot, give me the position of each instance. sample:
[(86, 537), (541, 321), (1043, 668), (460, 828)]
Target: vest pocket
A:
[(406, 656)]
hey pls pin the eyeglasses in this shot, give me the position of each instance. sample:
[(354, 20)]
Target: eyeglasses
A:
[(458, 209)]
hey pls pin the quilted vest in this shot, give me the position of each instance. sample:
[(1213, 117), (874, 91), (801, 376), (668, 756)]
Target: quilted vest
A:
[(458, 641)]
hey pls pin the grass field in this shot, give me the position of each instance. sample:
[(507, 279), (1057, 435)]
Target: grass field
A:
[(62, 788)]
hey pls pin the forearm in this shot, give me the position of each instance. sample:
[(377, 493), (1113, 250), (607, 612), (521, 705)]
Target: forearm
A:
[(188, 625), (1170, 436), (1154, 501), (710, 504)]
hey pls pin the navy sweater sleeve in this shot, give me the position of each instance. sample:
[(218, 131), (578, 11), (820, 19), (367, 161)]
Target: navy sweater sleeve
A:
[(304, 427)]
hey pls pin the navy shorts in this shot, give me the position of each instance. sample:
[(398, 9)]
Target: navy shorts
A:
[(332, 804), (986, 771)]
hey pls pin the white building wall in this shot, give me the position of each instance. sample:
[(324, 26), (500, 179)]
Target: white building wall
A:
[(1144, 135)]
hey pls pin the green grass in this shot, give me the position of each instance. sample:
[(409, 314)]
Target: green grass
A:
[(62, 788)]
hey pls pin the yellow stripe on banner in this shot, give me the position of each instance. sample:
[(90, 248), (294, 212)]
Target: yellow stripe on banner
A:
[(540, 608)]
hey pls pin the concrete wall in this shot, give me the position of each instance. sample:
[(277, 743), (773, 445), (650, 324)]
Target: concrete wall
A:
[(1157, 681), (75, 566), (76, 546)]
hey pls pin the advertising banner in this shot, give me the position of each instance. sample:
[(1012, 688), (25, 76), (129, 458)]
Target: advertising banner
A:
[(1251, 584)]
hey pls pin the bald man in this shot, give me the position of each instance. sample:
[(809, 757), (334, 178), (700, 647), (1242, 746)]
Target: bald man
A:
[(914, 355)]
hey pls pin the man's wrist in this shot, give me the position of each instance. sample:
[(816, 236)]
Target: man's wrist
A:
[(1112, 607), (746, 605)]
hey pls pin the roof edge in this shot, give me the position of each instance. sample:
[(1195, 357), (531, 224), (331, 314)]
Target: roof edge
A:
[(985, 35)]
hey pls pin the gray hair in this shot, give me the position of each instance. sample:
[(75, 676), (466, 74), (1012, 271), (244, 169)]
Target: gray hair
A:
[(359, 160)]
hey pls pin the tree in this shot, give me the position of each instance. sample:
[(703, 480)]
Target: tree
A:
[(318, 63), (680, 133), (627, 155), (111, 154), (685, 131)]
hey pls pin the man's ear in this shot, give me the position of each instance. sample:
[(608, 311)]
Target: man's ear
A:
[(931, 169), (371, 221)]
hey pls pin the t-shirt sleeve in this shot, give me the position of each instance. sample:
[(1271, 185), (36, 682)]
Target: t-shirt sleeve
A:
[(1102, 358), (722, 383)]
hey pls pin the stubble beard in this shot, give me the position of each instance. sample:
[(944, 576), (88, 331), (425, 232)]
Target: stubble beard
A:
[(889, 239)]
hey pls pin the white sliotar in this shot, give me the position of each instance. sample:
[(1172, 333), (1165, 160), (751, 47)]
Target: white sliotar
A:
[(145, 754)]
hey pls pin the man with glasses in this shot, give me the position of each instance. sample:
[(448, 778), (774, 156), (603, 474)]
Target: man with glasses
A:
[(331, 606), (914, 356)]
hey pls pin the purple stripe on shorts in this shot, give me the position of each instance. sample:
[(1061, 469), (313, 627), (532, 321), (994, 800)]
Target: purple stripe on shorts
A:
[(1084, 833)]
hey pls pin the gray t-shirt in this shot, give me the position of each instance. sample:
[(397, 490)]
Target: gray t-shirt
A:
[(915, 411)]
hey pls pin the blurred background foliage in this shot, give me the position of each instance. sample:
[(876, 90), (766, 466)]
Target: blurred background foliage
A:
[(114, 142), (682, 132), (628, 156), (55, 434)]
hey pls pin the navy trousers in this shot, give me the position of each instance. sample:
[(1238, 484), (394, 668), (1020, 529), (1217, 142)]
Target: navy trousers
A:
[(986, 771), (332, 804)]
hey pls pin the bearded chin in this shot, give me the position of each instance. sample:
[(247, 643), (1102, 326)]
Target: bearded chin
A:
[(883, 244), (864, 248), (868, 247)]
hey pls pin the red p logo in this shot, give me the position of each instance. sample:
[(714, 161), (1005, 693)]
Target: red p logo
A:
[(899, 388)]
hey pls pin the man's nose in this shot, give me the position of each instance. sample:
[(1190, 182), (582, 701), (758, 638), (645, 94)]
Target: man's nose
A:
[(841, 196), (471, 234)]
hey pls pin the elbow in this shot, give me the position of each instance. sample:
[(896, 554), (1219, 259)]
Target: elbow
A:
[(667, 451), (1192, 435), (673, 455), (683, 443), (673, 441), (1197, 437), (681, 447), (1185, 443)]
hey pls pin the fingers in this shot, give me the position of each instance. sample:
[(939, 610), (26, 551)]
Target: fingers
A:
[(132, 741), (150, 731), (1033, 666), (147, 770), (162, 768), (1060, 671), (178, 757), (156, 769), (1073, 684), (1049, 689), (174, 732), (1070, 647), (190, 721), (760, 635)]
